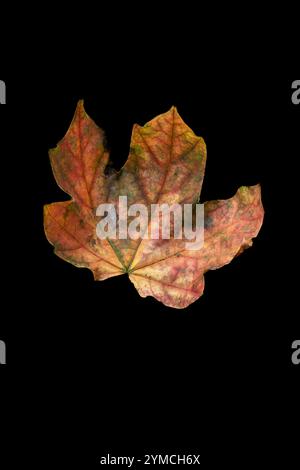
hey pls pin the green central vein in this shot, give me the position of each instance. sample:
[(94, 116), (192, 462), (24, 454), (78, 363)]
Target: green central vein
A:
[(118, 254)]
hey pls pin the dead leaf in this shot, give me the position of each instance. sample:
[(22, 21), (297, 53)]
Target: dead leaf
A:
[(166, 164)]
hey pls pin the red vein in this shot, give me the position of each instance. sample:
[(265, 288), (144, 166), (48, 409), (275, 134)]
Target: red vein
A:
[(96, 169), (159, 163), (58, 162), (82, 162), (163, 182), (166, 284), (63, 228), (213, 235)]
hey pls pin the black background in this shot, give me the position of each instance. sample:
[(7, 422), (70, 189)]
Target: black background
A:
[(92, 367)]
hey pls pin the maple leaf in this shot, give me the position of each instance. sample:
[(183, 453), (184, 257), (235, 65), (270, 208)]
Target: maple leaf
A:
[(166, 164)]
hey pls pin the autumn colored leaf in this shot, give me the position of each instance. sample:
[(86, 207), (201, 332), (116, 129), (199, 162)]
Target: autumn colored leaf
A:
[(166, 165)]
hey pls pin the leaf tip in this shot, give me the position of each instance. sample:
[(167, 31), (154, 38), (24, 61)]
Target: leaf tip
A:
[(80, 104), (80, 111), (250, 192), (175, 112)]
